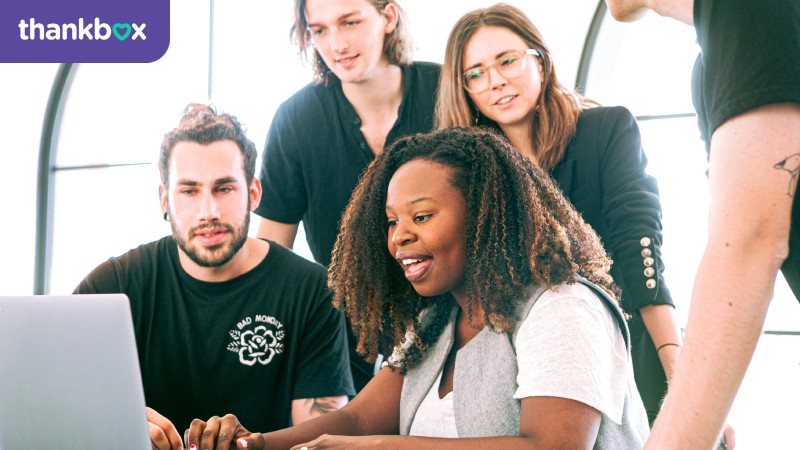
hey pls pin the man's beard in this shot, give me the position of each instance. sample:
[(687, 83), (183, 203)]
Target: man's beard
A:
[(215, 255)]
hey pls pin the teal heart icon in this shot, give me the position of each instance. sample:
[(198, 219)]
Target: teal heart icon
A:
[(121, 26)]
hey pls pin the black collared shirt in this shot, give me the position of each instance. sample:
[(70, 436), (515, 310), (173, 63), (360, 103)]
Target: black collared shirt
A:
[(316, 152)]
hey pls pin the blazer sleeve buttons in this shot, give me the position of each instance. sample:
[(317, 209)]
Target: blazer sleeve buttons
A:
[(648, 261)]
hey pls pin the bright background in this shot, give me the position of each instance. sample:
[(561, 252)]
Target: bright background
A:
[(237, 55)]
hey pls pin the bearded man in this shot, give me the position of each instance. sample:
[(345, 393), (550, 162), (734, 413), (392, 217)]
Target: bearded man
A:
[(224, 322)]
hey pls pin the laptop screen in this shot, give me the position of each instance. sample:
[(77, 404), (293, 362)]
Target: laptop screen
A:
[(69, 374)]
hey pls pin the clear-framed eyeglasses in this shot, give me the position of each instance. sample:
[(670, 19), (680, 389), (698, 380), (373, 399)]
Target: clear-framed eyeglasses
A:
[(510, 65)]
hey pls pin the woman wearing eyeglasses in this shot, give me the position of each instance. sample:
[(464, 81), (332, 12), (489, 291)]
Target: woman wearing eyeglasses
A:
[(498, 73)]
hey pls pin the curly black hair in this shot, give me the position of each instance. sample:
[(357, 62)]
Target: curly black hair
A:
[(202, 123), (520, 231)]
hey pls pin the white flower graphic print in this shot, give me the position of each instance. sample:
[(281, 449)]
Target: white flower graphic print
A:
[(257, 339)]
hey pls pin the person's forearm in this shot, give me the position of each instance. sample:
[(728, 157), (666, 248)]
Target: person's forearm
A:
[(663, 329), (730, 299), (337, 422), (285, 440), (396, 442), (425, 443)]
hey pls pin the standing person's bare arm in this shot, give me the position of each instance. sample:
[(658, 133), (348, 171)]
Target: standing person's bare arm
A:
[(748, 240), (282, 233)]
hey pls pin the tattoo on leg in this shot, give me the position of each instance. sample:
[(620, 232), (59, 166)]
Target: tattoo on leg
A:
[(322, 405), (790, 164)]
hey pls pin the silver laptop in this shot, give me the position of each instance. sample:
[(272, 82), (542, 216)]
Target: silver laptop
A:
[(69, 374)]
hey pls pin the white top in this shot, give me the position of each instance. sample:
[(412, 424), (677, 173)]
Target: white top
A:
[(435, 417), (570, 346)]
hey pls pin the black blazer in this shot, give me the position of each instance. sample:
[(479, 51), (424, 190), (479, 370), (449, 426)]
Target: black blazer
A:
[(603, 174)]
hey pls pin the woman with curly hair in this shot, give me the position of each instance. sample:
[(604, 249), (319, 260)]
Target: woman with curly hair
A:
[(498, 72), (465, 258)]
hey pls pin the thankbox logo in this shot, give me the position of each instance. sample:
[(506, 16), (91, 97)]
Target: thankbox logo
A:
[(84, 31), (97, 30)]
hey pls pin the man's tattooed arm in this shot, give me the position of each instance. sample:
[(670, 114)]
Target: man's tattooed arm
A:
[(319, 406), (790, 164), (307, 408)]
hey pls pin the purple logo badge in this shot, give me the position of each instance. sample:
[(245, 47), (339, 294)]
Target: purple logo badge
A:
[(78, 31)]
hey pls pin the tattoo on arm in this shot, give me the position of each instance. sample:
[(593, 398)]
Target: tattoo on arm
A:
[(322, 405), (790, 164)]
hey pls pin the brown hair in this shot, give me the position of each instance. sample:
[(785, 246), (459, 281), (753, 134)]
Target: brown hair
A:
[(519, 232), (558, 107), (201, 123), (397, 45)]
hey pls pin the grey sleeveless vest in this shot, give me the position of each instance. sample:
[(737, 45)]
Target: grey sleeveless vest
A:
[(486, 380)]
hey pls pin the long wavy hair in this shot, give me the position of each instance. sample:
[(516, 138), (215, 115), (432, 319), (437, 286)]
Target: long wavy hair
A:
[(558, 107), (397, 45), (520, 232)]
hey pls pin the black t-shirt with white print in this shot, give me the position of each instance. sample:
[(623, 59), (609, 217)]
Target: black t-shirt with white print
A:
[(247, 346)]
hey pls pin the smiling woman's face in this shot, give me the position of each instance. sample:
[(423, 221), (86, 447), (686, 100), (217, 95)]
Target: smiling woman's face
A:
[(507, 101), (426, 216)]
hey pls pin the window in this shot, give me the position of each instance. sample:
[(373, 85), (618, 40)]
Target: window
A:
[(24, 90), (647, 66)]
